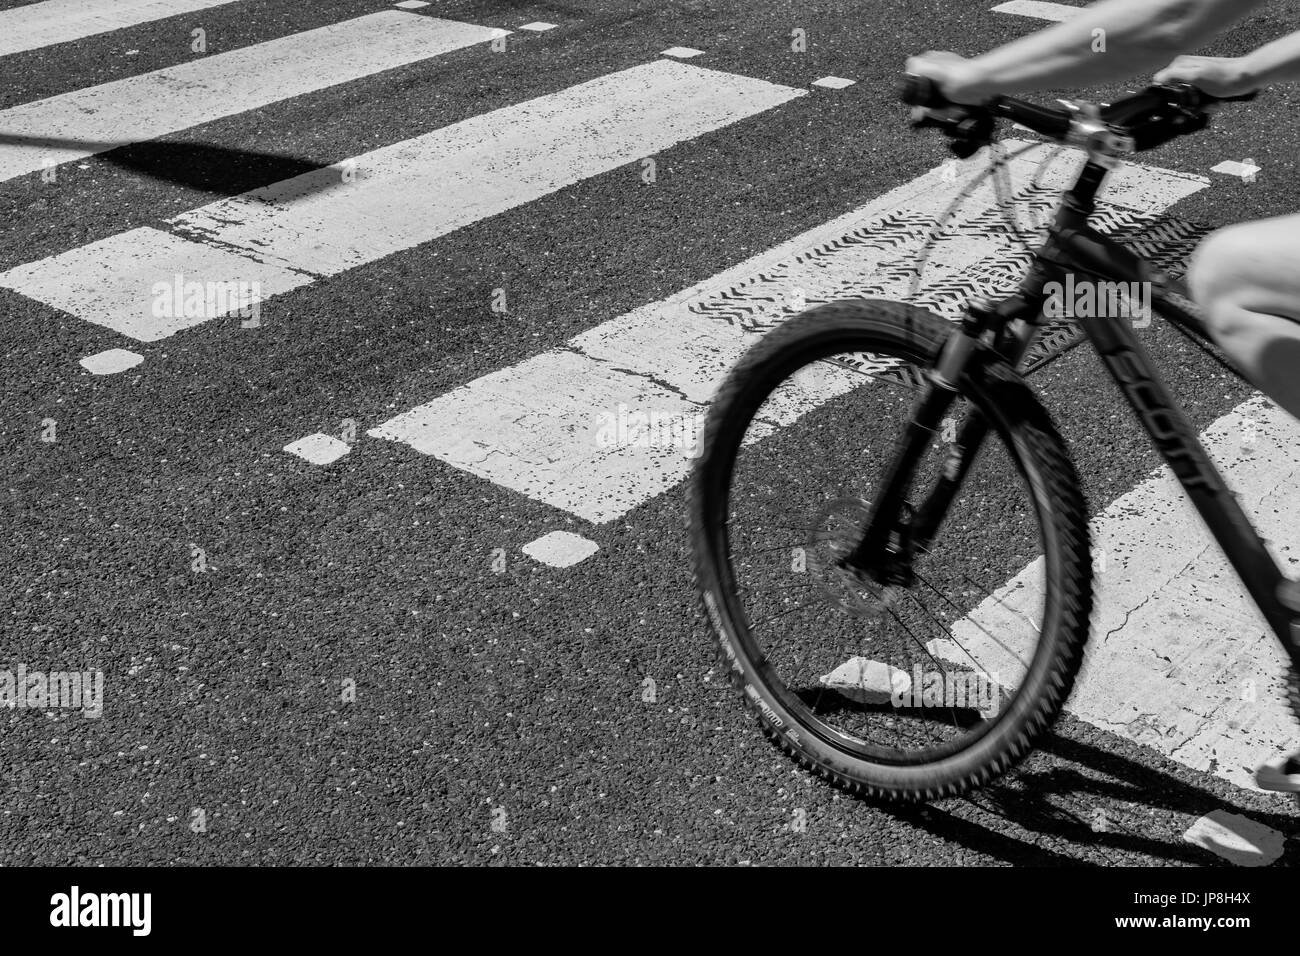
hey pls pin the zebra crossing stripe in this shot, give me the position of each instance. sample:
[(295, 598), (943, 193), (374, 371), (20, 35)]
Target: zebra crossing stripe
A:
[(562, 427), (1180, 659), (324, 222), (36, 135), (37, 25)]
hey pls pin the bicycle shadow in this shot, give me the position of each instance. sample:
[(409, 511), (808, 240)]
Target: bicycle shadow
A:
[(213, 169), (1024, 801)]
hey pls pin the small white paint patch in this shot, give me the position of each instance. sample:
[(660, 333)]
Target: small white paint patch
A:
[(1239, 840), (681, 52), (1039, 11), (538, 26), (84, 122), (561, 549), (833, 82), (319, 449), (411, 4), (867, 681), (111, 361), (36, 25), (1233, 168)]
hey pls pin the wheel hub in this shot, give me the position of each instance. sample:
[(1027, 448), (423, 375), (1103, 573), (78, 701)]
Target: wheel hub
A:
[(835, 533)]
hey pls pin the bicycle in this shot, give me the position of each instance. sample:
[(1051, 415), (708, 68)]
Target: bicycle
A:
[(829, 689)]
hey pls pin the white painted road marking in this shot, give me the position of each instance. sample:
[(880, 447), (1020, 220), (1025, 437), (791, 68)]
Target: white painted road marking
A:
[(111, 282), (1180, 659), (833, 82), (99, 118), (319, 449), (111, 361), (1039, 11), (37, 25), (561, 549), (1239, 840), (868, 681), (534, 427), (1233, 168), (538, 26), (681, 52), (293, 232)]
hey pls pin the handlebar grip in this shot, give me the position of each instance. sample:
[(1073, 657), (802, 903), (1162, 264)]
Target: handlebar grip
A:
[(921, 91), (1151, 136), (1188, 95), (1153, 101)]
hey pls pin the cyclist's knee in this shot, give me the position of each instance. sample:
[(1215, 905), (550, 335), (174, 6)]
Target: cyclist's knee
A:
[(1220, 275)]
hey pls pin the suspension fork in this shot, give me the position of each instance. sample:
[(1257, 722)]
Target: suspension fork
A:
[(1014, 333), (1011, 340), (873, 551), (965, 449)]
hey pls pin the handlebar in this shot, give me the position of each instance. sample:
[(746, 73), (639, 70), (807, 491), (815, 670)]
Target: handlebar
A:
[(1144, 120)]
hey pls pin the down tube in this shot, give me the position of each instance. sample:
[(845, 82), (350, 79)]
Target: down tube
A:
[(1177, 441)]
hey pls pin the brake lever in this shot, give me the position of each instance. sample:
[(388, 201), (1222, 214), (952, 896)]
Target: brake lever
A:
[(966, 148), (969, 129)]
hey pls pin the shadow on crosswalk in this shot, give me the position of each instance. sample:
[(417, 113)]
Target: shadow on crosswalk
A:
[(213, 169), (1097, 800)]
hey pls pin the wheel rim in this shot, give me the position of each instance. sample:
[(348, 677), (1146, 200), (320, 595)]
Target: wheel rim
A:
[(865, 683)]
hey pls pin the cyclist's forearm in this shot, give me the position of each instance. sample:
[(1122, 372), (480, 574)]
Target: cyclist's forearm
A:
[(1276, 62), (1139, 36)]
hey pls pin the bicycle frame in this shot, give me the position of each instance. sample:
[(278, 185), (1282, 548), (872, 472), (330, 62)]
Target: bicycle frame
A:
[(1074, 247)]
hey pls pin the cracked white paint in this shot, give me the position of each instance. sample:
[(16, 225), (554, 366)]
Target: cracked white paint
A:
[(201, 90), (325, 222), (665, 359), (1180, 660)]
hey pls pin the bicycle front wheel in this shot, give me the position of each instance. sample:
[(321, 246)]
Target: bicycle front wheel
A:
[(923, 686)]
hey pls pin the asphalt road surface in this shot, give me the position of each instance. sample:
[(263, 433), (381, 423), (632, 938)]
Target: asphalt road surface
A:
[(465, 246)]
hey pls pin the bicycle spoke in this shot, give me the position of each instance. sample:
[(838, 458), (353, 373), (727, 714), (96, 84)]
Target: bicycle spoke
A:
[(986, 631)]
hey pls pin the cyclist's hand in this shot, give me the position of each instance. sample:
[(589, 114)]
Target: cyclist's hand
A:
[(955, 75), (1216, 75)]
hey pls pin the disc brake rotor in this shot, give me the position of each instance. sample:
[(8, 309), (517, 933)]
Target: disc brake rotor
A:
[(835, 532)]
